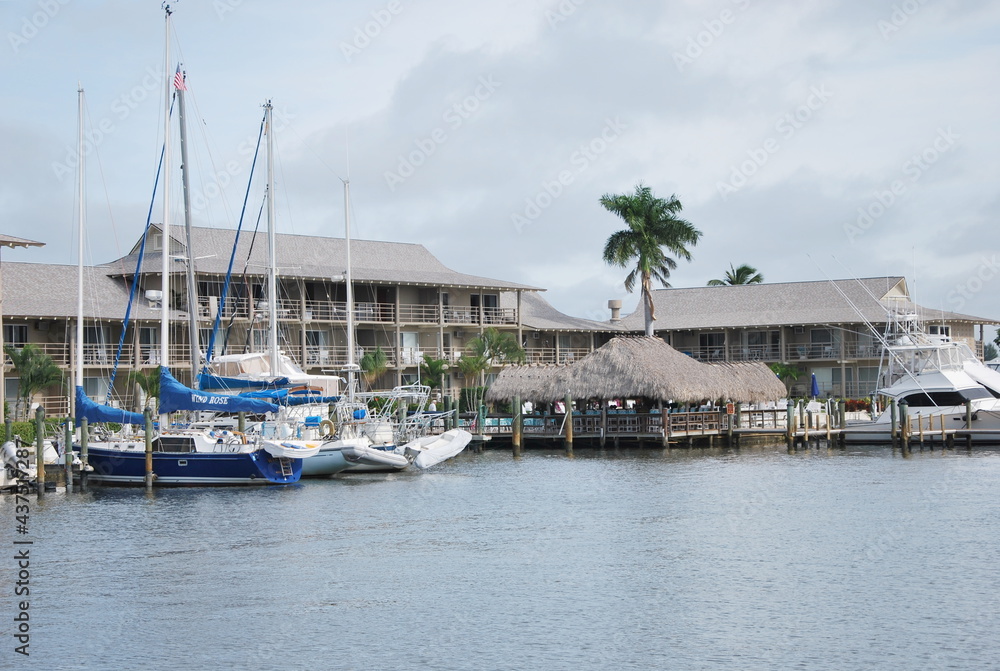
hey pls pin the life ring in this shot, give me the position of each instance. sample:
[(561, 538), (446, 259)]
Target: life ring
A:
[(327, 427)]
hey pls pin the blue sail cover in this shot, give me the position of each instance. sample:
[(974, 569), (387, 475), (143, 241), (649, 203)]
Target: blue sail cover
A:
[(95, 412), (175, 396), (290, 396), (209, 381)]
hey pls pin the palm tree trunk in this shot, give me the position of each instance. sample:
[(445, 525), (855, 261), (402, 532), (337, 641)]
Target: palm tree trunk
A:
[(647, 299)]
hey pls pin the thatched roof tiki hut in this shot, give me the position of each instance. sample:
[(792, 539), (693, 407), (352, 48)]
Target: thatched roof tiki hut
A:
[(639, 367)]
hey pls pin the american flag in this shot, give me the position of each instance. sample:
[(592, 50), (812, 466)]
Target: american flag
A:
[(179, 80)]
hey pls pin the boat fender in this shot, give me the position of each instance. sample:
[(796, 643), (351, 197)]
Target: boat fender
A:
[(326, 427)]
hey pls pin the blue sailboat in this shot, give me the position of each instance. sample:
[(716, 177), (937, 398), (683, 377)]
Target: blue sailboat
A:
[(182, 456), (186, 456)]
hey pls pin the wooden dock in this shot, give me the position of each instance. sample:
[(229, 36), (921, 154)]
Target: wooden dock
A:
[(701, 427)]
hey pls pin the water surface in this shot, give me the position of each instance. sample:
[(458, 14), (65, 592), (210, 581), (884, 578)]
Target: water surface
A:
[(632, 559)]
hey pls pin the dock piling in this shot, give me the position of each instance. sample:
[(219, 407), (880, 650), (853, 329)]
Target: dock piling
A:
[(68, 454), (569, 425), (148, 416), (84, 439), (40, 451), (515, 427)]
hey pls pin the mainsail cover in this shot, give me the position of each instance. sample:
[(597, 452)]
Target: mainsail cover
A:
[(95, 412), (175, 396)]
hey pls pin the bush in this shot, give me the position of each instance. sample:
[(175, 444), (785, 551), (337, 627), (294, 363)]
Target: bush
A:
[(26, 430)]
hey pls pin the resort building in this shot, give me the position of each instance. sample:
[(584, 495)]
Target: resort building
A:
[(831, 328), (414, 308)]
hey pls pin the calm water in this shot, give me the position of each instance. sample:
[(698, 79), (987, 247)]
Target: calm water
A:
[(692, 559)]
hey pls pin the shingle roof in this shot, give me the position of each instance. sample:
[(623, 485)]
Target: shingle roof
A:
[(538, 314), (315, 257), (45, 290), (769, 305), (11, 241)]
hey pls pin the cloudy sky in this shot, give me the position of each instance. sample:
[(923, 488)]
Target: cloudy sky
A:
[(811, 140)]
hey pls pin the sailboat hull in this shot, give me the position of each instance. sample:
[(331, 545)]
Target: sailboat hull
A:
[(193, 468)]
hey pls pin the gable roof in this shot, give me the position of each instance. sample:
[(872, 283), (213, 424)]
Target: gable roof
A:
[(539, 315), (773, 305), (316, 258), (46, 290)]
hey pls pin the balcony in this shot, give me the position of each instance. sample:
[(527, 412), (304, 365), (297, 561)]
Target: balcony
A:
[(294, 309)]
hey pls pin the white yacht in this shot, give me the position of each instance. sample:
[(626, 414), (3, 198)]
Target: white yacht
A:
[(936, 377)]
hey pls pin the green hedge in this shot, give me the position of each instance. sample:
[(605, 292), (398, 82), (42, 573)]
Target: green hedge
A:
[(27, 430)]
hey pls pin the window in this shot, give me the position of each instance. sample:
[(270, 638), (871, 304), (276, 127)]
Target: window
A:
[(318, 347), (149, 345), (939, 330), (409, 348), (759, 345), (95, 345), (96, 388), (15, 335), (712, 346)]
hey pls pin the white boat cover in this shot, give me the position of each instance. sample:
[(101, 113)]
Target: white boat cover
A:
[(292, 449), (433, 450)]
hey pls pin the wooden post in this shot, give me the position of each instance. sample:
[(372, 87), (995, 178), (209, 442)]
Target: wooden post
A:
[(920, 428), (7, 424), (904, 423), (242, 422), (40, 451), (515, 426), (944, 432), (84, 439), (730, 418), (790, 424), (447, 410), (148, 416), (68, 454), (604, 423), (569, 425), (893, 427), (842, 411), (968, 423)]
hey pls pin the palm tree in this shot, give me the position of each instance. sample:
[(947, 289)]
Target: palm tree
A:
[(35, 371), (786, 373), (490, 348), (432, 372), (653, 225), (373, 365), (743, 275), (149, 383)]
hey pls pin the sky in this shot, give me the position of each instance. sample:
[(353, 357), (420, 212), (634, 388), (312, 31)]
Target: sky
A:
[(810, 140)]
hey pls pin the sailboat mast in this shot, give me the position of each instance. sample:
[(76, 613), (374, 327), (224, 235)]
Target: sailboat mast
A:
[(272, 260), (78, 350), (186, 183), (165, 226), (348, 282)]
